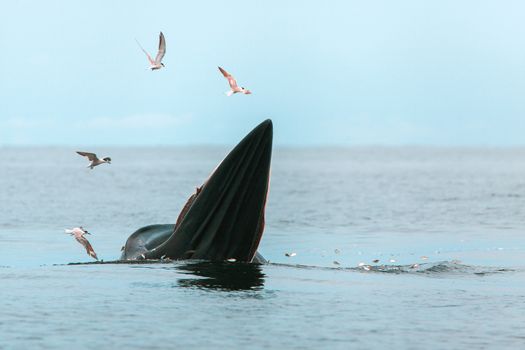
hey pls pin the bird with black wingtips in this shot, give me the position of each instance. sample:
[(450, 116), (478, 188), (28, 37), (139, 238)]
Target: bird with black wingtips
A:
[(157, 62), (78, 233), (233, 84), (94, 159)]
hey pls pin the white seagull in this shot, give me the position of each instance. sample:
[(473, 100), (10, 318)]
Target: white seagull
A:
[(79, 233), (157, 63), (233, 84), (94, 159)]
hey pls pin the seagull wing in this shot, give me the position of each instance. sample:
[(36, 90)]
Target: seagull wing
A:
[(147, 54), (89, 249), (226, 74), (162, 49), (231, 79), (90, 156)]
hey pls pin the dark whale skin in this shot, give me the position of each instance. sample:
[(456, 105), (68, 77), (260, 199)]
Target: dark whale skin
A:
[(224, 218)]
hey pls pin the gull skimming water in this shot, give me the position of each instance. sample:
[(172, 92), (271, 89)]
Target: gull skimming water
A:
[(94, 159), (157, 63), (79, 233), (233, 84)]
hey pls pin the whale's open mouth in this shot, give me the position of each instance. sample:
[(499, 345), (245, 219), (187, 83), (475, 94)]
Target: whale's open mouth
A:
[(224, 219)]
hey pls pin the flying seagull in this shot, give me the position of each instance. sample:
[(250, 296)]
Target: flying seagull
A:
[(94, 159), (233, 84), (157, 63), (79, 233)]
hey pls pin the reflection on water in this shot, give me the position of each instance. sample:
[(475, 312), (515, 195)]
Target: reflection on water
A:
[(222, 276)]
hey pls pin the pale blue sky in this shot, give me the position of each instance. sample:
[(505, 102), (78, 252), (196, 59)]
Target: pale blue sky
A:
[(327, 72)]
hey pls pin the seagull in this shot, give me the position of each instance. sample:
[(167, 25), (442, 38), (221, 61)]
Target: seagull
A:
[(233, 84), (157, 63), (79, 233), (94, 159)]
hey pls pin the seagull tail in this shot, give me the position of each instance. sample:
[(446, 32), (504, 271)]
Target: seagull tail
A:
[(68, 231), (229, 93)]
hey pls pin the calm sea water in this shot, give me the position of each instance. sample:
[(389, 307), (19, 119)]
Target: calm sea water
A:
[(459, 214)]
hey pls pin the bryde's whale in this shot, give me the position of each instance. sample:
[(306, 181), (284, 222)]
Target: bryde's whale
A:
[(224, 218)]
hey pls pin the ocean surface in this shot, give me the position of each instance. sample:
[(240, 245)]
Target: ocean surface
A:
[(446, 224)]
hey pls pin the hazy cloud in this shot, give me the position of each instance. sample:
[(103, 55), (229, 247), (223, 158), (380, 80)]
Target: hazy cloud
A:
[(139, 121)]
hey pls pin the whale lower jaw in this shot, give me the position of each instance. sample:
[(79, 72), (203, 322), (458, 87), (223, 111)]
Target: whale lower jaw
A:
[(224, 219)]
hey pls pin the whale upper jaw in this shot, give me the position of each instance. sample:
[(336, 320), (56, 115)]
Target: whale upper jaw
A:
[(225, 218)]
